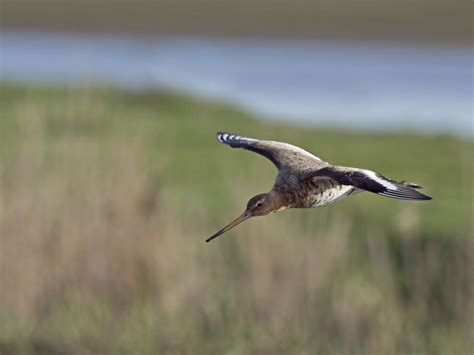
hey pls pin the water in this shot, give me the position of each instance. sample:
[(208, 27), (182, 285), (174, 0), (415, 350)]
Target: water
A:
[(355, 85)]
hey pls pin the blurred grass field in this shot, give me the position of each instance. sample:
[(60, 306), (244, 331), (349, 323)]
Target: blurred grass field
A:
[(107, 196)]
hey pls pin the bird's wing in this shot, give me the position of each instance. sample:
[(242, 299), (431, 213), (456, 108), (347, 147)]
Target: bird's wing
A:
[(281, 154), (369, 181)]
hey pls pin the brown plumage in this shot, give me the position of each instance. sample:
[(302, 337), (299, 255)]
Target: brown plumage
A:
[(305, 181)]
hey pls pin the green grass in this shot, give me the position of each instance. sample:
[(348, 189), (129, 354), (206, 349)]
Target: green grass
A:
[(107, 197)]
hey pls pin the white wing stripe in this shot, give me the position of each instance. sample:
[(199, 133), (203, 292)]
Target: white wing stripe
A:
[(381, 181)]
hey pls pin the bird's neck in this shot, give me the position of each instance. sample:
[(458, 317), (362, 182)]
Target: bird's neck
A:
[(278, 202)]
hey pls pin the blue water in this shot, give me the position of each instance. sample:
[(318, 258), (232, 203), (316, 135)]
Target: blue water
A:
[(355, 85)]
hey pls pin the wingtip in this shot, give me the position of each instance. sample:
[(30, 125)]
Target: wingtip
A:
[(404, 192), (422, 197), (228, 138), (222, 136)]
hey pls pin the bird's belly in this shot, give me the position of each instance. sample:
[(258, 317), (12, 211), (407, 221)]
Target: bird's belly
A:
[(326, 195)]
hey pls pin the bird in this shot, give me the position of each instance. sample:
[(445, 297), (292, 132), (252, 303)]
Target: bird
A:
[(306, 181)]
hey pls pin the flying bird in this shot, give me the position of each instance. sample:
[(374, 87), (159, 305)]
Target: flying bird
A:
[(305, 181)]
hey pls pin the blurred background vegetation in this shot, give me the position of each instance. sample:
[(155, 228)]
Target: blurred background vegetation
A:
[(107, 195), (413, 20)]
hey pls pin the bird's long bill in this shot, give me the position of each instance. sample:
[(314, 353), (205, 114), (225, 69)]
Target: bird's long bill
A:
[(243, 217)]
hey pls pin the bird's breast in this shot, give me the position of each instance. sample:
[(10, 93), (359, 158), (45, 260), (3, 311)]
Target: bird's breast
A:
[(316, 193)]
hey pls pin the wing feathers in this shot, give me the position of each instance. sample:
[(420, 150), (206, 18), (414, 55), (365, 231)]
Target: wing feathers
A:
[(281, 154), (251, 144), (373, 182), (234, 140)]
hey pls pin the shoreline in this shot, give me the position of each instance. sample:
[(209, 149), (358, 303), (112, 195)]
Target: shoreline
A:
[(424, 21)]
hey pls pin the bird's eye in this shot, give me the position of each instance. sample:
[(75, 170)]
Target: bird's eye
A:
[(259, 204)]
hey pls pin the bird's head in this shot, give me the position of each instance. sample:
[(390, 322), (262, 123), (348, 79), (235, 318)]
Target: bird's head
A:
[(259, 205)]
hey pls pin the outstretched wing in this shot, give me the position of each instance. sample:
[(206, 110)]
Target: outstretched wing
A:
[(281, 154), (370, 181)]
